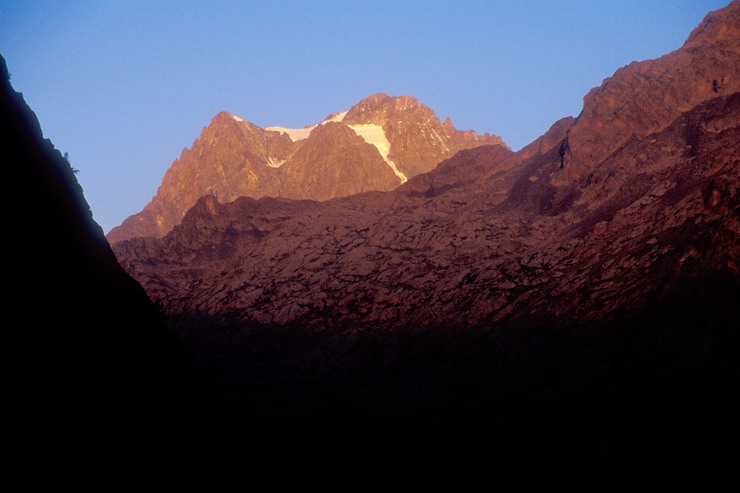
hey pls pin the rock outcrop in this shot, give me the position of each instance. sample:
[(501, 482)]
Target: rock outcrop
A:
[(378, 144)]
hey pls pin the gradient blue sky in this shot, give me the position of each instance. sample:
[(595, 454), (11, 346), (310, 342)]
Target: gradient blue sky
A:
[(124, 86)]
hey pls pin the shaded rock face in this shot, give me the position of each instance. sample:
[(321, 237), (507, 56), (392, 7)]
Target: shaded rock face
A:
[(377, 145), (492, 236), (97, 379)]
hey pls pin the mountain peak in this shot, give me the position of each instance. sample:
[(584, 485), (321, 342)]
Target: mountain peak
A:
[(378, 144), (225, 116), (376, 98), (721, 24), (380, 107)]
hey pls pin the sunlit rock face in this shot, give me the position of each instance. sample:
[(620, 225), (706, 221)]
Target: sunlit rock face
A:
[(378, 144), (599, 216)]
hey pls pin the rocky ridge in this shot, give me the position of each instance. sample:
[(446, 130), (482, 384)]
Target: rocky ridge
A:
[(376, 145), (645, 97)]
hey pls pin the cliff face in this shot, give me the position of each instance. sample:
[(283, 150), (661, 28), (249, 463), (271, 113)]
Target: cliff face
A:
[(378, 144), (494, 236), (96, 378)]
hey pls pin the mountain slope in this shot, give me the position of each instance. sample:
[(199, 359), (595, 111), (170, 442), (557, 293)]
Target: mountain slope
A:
[(629, 230), (395, 138), (492, 235), (504, 314)]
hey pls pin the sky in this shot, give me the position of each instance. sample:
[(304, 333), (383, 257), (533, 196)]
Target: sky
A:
[(124, 86)]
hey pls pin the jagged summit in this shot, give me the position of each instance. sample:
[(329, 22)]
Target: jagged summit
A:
[(395, 139)]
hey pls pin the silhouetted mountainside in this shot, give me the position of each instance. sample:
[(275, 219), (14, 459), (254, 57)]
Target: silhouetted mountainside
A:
[(378, 144), (99, 388)]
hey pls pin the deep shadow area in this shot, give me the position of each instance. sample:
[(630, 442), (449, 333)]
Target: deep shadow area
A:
[(98, 387), (647, 395)]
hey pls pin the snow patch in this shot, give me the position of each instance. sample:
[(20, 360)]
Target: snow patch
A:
[(303, 133), (338, 117), (237, 118), (375, 135), (294, 133), (440, 140), (275, 163)]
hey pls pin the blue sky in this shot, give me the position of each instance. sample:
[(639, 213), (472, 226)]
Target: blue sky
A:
[(124, 86)]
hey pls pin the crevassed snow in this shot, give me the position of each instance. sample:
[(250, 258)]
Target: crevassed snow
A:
[(293, 133), (375, 135), (275, 163)]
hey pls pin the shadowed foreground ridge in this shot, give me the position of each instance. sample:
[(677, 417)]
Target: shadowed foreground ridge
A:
[(98, 382), (569, 311)]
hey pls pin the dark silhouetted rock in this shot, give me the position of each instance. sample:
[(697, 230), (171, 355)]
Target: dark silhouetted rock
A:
[(97, 385)]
